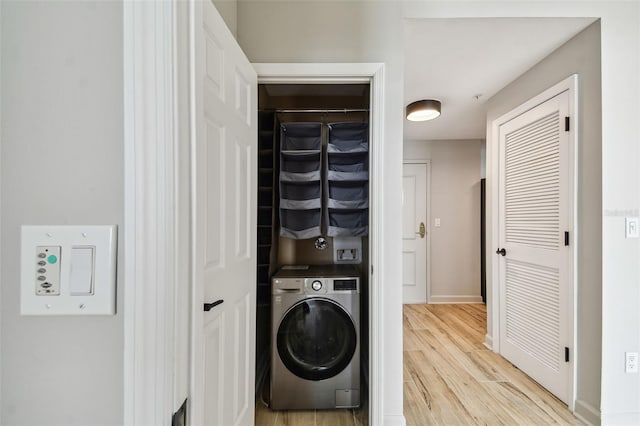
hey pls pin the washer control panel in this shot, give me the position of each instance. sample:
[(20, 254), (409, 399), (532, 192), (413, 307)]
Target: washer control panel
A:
[(327, 285)]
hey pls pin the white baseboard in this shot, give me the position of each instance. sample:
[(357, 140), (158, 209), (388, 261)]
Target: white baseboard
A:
[(455, 299), (394, 420), (414, 302), (488, 341), (621, 419), (587, 413)]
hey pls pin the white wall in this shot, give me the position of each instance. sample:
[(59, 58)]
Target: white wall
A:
[(579, 55), (455, 199), (62, 163), (320, 31)]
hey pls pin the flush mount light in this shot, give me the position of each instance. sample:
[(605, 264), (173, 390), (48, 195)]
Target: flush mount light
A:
[(426, 109)]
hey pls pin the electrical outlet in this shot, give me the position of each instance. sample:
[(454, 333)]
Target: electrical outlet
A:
[(631, 362), (632, 227)]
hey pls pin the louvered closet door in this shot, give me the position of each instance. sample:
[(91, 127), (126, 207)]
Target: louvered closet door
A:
[(534, 213)]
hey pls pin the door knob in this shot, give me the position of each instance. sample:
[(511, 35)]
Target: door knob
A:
[(422, 230), (501, 251)]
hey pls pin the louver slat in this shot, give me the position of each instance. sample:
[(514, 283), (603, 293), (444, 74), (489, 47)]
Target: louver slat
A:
[(532, 165), (532, 310)]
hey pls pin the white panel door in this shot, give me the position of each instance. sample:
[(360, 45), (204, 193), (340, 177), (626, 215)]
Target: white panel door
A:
[(224, 183), (534, 213), (414, 242)]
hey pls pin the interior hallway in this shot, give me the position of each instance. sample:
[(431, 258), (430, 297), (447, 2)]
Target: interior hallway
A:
[(451, 378)]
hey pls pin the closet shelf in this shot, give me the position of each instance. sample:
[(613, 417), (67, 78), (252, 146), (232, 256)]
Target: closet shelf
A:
[(333, 149), (300, 152), (348, 176), (300, 177)]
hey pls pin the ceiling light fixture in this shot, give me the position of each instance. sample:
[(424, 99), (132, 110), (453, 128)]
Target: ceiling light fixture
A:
[(423, 110)]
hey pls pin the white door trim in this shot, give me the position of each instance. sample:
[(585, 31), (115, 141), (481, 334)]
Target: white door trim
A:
[(493, 152), (427, 162), (149, 218), (356, 72)]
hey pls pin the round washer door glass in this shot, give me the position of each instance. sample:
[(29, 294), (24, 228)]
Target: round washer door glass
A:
[(316, 339)]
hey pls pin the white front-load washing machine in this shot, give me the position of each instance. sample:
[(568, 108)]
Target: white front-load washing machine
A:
[(315, 332)]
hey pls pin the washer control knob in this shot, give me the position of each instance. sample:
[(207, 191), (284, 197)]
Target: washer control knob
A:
[(316, 285)]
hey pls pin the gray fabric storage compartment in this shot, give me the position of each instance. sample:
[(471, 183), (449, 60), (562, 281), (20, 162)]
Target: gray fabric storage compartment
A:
[(300, 195), (300, 162), (348, 162), (347, 222), (300, 224), (347, 194), (348, 137), (300, 136)]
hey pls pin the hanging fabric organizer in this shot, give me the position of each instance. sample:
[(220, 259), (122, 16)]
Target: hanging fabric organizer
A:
[(346, 204), (300, 180), (347, 179)]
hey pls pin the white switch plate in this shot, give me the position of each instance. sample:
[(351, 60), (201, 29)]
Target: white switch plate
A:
[(64, 302), (437, 222), (631, 362), (632, 229)]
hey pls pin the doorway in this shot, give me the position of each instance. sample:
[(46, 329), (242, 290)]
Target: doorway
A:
[(370, 74), (313, 211)]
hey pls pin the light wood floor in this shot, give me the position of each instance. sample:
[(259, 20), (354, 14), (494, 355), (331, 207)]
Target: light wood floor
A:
[(266, 417), (451, 378)]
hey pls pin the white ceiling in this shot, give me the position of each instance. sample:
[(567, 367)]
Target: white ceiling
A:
[(456, 59)]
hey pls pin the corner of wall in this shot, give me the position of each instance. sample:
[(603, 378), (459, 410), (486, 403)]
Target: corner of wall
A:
[(587, 412), (488, 341)]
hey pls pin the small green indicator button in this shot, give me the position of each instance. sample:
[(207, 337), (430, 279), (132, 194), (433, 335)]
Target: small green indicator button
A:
[(52, 259)]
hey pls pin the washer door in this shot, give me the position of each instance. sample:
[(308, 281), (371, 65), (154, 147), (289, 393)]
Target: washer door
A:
[(316, 339)]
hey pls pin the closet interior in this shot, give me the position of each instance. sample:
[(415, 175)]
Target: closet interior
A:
[(313, 193)]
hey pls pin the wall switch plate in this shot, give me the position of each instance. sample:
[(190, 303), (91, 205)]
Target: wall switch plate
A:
[(632, 227), (68, 270), (437, 222), (631, 362)]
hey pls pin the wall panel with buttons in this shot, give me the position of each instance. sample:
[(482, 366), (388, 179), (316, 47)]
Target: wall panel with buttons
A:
[(68, 270)]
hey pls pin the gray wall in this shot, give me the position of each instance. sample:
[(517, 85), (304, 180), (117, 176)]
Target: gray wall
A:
[(455, 199), (228, 9), (580, 55), (61, 163)]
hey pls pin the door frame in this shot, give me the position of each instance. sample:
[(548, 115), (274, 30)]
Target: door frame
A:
[(426, 162), (569, 84), (154, 114), (372, 73)]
